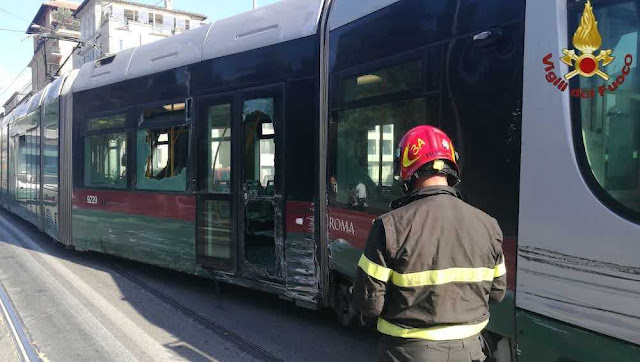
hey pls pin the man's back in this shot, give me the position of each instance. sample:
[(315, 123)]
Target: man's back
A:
[(432, 264), (443, 253)]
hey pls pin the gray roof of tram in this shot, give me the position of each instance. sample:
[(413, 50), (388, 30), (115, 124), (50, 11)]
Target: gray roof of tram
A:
[(44, 96), (272, 24)]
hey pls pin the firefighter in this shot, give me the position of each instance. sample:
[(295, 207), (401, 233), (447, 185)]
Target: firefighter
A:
[(432, 264)]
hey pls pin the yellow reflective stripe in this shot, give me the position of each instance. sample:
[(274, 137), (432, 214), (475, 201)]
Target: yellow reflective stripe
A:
[(444, 276), (444, 333), (374, 270), (501, 270)]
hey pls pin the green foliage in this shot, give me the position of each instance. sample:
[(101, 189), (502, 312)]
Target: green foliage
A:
[(63, 19)]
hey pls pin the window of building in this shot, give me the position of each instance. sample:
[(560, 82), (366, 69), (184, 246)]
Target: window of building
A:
[(609, 125), (363, 138), (187, 24), (159, 19), (105, 160), (131, 15), (162, 149)]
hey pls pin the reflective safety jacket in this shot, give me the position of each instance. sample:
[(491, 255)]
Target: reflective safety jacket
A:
[(430, 268)]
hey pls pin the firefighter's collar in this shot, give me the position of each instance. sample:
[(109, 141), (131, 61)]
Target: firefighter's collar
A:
[(425, 192)]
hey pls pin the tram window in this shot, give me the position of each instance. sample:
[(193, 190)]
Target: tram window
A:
[(362, 152), (162, 158), (610, 125), (219, 167), (162, 151), (108, 122), (260, 146), (52, 111), (4, 160), (398, 78), (105, 160), (214, 228), (168, 113)]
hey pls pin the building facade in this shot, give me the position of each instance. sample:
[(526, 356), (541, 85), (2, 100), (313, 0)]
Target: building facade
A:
[(108, 27), (55, 35), (13, 101)]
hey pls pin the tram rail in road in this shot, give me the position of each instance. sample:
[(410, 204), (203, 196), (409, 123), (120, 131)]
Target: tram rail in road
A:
[(16, 328)]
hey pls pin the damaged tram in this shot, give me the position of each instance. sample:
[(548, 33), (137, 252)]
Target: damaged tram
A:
[(258, 150)]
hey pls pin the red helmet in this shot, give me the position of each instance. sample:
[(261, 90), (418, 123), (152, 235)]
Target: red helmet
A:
[(421, 145)]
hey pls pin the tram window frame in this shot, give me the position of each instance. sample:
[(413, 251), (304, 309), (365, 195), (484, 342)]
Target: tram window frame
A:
[(574, 12), (430, 70), (51, 122), (123, 129), (141, 124), (203, 144), (429, 91)]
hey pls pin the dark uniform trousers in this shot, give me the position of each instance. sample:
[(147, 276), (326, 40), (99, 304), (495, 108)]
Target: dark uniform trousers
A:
[(395, 349)]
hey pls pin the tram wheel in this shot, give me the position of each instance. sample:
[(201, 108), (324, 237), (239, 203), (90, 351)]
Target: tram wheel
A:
[(343, 305)]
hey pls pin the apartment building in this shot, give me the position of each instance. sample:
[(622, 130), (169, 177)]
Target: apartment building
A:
[(108, 27)]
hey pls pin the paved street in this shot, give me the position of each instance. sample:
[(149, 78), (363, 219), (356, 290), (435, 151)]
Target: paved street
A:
[(88, 307), (8, 350)]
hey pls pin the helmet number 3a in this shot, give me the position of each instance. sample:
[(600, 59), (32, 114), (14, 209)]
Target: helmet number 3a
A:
[(415, 148)]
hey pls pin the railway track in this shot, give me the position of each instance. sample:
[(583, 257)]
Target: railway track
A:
[(225, 333), (16, 328)]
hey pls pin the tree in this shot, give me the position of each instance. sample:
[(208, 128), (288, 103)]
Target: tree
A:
[(63, 19)]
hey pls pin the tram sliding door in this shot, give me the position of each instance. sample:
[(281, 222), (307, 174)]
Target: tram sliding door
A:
[(240, 192), (261, 202), (216, 245)]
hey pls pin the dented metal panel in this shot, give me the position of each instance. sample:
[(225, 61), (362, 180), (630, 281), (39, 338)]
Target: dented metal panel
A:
[(302, 264)]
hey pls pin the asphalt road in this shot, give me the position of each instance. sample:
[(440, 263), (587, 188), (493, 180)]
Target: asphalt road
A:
[(8, 349), (77, 306)]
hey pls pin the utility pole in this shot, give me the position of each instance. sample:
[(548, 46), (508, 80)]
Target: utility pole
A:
[(255, 4)]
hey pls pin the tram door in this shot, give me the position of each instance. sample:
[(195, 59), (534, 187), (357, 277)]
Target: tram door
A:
[(215, 242), (239, 217), (260, 198)]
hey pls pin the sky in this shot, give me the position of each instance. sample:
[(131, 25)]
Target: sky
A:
[(17, 46)]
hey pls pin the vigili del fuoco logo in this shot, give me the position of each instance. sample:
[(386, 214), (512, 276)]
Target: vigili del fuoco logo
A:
[(586, 63)]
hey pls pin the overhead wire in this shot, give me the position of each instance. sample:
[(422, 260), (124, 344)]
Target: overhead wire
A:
[(14, 80), (148, 10), (14, 15), (64, 20), (12, 30)]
